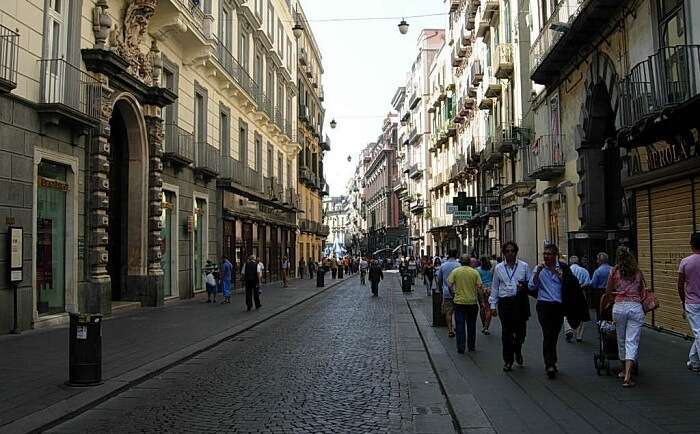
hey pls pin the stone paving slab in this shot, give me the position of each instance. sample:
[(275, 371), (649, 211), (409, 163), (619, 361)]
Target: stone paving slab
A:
[(34, 365), (578, 401)]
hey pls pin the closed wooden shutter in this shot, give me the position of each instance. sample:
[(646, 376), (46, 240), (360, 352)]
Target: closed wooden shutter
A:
[(644, 251), (671, 225)]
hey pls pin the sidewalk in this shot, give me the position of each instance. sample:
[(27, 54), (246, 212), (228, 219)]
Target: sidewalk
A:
[(135, 344), (665, 399)]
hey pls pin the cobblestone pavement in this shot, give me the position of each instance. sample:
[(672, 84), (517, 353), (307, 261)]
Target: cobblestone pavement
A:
[(330, 365)]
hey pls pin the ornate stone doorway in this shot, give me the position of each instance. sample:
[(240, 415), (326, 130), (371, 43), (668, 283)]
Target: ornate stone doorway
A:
[(128, 201)]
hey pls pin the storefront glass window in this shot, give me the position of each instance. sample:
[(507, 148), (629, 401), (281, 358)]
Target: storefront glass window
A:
[(200, 215), (52, 190)]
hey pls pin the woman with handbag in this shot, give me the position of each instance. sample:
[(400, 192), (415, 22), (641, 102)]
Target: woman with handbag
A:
[(627, 284)]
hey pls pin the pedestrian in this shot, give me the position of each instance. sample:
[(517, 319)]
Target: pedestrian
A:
[(302, 267), (689, 293), (486, 274), (558, 294), (226, 276), (364, 266), (375, 276), (312, 268), (210, 282), (627, 283), (261, 271), (251, 279), (428, 277), (285, 271), (584, 280), (509, 301), (334, 267), (412, 269), (466, 289), (443, 272), (599, 282)]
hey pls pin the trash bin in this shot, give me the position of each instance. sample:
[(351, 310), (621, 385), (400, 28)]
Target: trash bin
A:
[(438, 317), (406, 282), (85, 350), (319, 277)]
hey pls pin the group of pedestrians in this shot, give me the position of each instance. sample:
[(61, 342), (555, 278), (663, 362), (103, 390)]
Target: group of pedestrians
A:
[(565, 294)]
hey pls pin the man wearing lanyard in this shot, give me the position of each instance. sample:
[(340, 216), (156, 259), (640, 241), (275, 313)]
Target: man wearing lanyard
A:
[(509, 301), (447, 298)]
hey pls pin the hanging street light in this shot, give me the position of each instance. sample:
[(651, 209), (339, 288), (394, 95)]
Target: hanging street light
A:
[(349, 158), (403, 27), (333, 124), (297, 30)]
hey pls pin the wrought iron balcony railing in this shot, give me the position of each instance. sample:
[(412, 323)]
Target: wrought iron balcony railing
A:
[(546, 159), (233, 171), (236, 71), (9, 48), (669, 77), (207, 160), (179, 145), (491, 155), (253, 180), (70, 92), (564, 12)]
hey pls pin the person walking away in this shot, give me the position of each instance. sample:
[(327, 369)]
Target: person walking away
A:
[(334, 267), (285, 272), (251, 279), (226, 276), (465, 286), (302, 267), (584, 279), (261, 271), (364, 266), (375, 276), (312, 268), (486, 274), (599, 282), (627, 283), (509, 301), (443, 272), (689, 293), (412, 269), (558, 294), (210, 282), (428, 276)]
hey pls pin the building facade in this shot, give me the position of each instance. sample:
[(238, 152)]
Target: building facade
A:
[(143, 138), (336, 218)]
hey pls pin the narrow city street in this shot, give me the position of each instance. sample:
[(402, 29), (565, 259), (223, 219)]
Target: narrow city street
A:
[(334, 364)]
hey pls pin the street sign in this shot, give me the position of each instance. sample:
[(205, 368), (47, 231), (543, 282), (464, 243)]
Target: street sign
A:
[(463, 215), (451, 208), (462, 201)]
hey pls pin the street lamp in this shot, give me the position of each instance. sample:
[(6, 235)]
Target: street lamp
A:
[(403, 27), (297, 30), (333, 124), (349, 158)]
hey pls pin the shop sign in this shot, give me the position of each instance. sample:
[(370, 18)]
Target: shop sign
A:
[(53, 184), (662, 153), (451, 208)]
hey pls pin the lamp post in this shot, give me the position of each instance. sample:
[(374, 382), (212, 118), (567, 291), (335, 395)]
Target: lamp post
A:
[(403, 27), (333, 124)]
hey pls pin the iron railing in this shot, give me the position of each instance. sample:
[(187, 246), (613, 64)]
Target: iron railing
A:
[(179, 144), (196, 13), (546, 157), (669, 77), (233, 170), (236, 71), (69, 86), (9, 47), (565, 12), (207, 159), (253, 179)]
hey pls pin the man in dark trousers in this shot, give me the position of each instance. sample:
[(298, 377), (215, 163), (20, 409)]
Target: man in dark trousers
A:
[(558, 295), (251, 278), (375, 276)]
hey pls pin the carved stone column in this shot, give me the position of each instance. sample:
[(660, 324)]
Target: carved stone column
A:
[(98, 298), (154, 126)]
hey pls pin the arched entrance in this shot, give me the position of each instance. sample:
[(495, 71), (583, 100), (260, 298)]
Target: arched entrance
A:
[(128, 200)]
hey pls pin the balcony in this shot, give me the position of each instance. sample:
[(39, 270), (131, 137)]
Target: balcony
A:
[(253, 180), (417, 205), (9, 48), (485, 103), (326, 144), (438, 181), (457, 169), (184, 22), (237, 73), (476, 73), (273, 189), (492, 86), (490, 204), (568, 34), (323, 230), (206, 161), (415, 171), (454, 5), (491, 155), (483, 28), (291, 198), (400, 186), (510, 137), (179, 146), (414, 100), (546, 157), (303, 114), (503, 61), (441, 222), (666, 79), (470, 14), (232, 172), (473, 157), (306, 176), (457, 60), (69, 94)]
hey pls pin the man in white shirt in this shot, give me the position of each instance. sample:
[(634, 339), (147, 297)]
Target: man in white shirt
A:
[(584, 279), (261, 272), (509, 301), (364, 266)]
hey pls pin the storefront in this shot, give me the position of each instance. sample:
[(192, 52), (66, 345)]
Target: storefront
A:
[(662, 185)]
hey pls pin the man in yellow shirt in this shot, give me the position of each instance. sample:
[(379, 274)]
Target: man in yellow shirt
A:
[(467, 289)]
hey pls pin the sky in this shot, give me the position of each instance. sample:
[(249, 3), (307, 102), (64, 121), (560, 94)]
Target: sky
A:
[(364, 63)]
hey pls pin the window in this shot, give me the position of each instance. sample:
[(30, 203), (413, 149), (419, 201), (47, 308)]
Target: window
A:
[(259, 9), (280, 167), (270, 85), (243, 143), (52, 193), (199, 118), (258, 68), (270, 161), (225, 133), (199, 234), (280, 99), (243, 49), (225, 35), (289, 55), (168, 81), (671, 23), (258, 153), (270, 21), (507, 34), (280, 38), (288, 112), (56, 47)]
